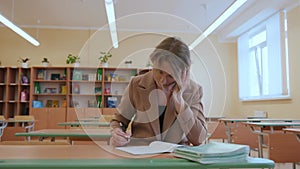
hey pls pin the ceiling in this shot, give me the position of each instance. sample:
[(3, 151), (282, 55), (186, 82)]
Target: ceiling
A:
[(143, 15)]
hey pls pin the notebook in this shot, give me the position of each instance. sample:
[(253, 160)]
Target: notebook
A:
[(154, 147), (214, 152)]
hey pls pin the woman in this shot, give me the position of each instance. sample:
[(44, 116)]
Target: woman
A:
[(163, 104)]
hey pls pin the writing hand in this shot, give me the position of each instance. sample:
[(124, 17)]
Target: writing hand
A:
[(119, 138)]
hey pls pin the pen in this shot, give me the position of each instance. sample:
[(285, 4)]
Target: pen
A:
[(122, 127), (124, 130)]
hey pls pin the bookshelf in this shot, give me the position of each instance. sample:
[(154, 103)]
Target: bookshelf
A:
[(72, 93), (48, 96), (14, 91)]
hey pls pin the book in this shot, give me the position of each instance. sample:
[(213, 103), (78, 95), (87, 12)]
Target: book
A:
[(40, 74), (49, 103), (112, 102), (55, 103), (214, 152), (155, 147)]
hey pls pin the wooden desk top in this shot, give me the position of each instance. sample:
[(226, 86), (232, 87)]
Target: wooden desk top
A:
[(272, 124), (95, 133), (93, 156), (19, 121), (85, 123), (257, 120)]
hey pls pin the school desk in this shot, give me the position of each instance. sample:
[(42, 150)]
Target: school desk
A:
[(71, 134), (85, 124), (26, 121), (234, 122), (102, 157), (19, 122), (277, 140)]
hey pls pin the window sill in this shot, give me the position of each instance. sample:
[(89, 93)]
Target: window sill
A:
[(266, 98)]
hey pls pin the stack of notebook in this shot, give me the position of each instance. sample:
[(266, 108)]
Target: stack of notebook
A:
[(214, 152)]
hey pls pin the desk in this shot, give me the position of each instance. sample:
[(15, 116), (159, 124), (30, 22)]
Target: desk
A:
[(16, 124), (72, 134), (295, 131), (104, 157), (85, 123), (26, 121), (234, 121), (266, 128)]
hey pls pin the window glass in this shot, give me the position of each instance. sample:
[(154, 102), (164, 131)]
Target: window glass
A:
[(263, 60)]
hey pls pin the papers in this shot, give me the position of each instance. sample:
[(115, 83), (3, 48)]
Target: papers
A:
[(214, 152), (154, 147)]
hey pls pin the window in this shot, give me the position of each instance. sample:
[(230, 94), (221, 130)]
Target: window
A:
[(263, 61)]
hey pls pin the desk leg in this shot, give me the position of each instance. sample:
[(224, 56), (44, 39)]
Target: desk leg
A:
[(228, 132), (260, 145), (260, 140)]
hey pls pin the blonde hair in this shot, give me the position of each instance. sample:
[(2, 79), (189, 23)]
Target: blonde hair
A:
[(175, 53)]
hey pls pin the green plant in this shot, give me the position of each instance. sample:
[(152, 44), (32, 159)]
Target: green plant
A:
[(72, 59), (45, 60), (104, 57), (149, 64), (23, 60)]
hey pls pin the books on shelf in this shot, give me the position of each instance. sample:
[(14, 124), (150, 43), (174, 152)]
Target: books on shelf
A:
[(52, 103), (214, 152), (92, 103), (112, 102)]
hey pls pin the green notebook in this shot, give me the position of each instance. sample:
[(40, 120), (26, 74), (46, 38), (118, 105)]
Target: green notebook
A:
[(214, 152)]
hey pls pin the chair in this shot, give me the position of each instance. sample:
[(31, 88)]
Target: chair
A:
[(216, 130)]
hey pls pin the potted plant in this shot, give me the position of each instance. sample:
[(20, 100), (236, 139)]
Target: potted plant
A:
[(104, 56), (24, 62), (45, 62), (149, 65), (73, 59)]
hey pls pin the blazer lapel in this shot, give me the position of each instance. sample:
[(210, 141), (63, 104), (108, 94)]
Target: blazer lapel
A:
[(168, 119), (148, 89)]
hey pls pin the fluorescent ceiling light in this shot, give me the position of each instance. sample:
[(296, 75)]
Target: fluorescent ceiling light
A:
[(234, 7), (110, 12), (19, 31)]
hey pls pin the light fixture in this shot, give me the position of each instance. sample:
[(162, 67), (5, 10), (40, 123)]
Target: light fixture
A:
[(110, 12), (234, 7), (18, 30)]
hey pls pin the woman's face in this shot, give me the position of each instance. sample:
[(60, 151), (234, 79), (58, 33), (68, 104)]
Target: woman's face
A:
[(162, 78)]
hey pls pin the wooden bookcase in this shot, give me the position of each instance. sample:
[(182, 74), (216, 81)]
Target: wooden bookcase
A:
[(14, 91), (48, 94), (61, 94), (14, 97)]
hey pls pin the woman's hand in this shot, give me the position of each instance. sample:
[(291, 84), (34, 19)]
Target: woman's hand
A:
[(178, 91), (119, 138)]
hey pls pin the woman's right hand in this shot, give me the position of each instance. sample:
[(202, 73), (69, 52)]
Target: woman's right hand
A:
[(119, 138)]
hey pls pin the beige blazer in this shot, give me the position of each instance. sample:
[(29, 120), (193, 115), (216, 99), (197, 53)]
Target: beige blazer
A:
[(139, 104)]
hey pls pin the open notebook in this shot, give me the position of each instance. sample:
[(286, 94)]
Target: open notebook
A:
[(154, 147)]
